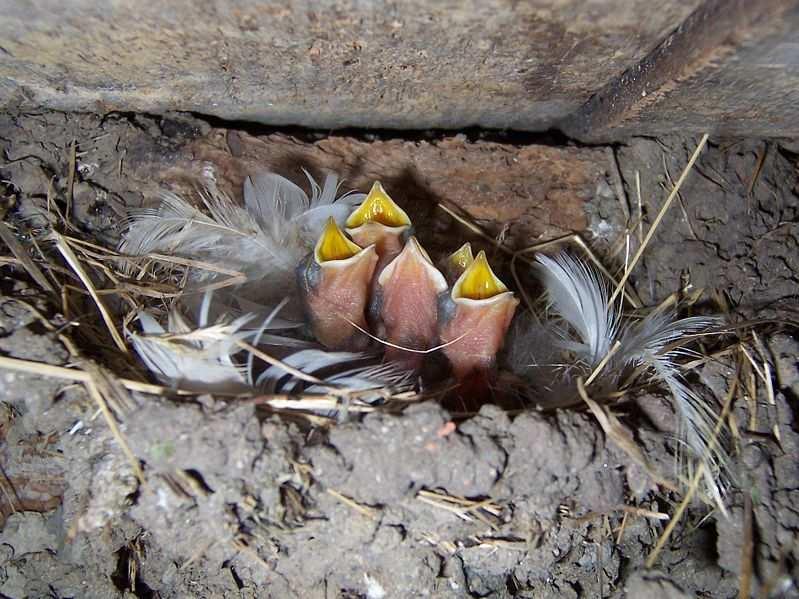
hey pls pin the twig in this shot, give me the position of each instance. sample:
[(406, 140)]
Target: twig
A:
[(747, 551)]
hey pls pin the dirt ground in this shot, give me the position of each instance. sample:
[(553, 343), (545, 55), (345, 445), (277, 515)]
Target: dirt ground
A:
[(242, 503)]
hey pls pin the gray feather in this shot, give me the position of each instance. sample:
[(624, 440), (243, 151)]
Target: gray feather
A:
[(587, 326), (265, 239)]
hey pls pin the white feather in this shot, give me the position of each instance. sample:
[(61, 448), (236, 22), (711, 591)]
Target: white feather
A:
[(578, 297), (265, 239), (310, 361), (656, 342), (344, 370), (198, 359)]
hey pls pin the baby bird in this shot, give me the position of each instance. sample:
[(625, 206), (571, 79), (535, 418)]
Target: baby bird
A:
[(335, 281), (407, 302), (379, 221), (457, 262), (475, 317)]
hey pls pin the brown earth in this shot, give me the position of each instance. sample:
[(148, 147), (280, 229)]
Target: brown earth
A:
[(243, 504)]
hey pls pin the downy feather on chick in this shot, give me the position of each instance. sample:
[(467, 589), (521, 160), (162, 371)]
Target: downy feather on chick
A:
[(552, 354), (265, 239)]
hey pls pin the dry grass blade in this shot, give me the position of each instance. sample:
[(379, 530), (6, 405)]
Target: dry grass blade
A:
[(479, 232), (761, 160), (602, 363), (240, 545), (574, 238), (73, 159), (76, 266), (638, 511), (367, 511), (311, 403), (80, 376), (619, 434), (464, 508), (24, 258), (95, 394), (9, 492), (640, 201), (659, 218), (698, 474), (747, 551)]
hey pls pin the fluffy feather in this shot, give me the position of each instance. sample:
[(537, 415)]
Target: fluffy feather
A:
[(656, 342), (193, 358), (578, 296), (587, 327), (265, 239), (346, 370)]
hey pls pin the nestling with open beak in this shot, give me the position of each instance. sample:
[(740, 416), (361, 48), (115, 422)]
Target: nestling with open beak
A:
[(474, 319), (457, 262), (407, 301), (334, 282), (379, 221)]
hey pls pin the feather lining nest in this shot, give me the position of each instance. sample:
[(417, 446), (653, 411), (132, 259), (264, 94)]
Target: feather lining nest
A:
[(263, 241), (584, 329)]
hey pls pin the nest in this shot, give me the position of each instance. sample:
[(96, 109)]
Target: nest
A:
[(119, 313)]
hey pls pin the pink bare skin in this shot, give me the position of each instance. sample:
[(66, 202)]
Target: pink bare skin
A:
[(475, 332), (409, 287), (340, 297), (388, 241)]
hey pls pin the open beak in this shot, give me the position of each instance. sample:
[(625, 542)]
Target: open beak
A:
[(379, 221), (335, 281), (476, 319), (457, 262), (407, 298)]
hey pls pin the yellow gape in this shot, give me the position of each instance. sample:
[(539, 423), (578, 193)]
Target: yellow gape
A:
[(378, 207), (460, 259), (478, 281), (333, 244)]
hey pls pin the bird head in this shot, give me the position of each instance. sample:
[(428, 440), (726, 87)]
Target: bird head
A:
[(335, 282), (379, 221), (408, 289), (458, 261), (475, 318)]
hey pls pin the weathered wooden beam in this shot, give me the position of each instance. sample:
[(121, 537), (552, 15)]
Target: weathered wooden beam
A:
[(731, 68)]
